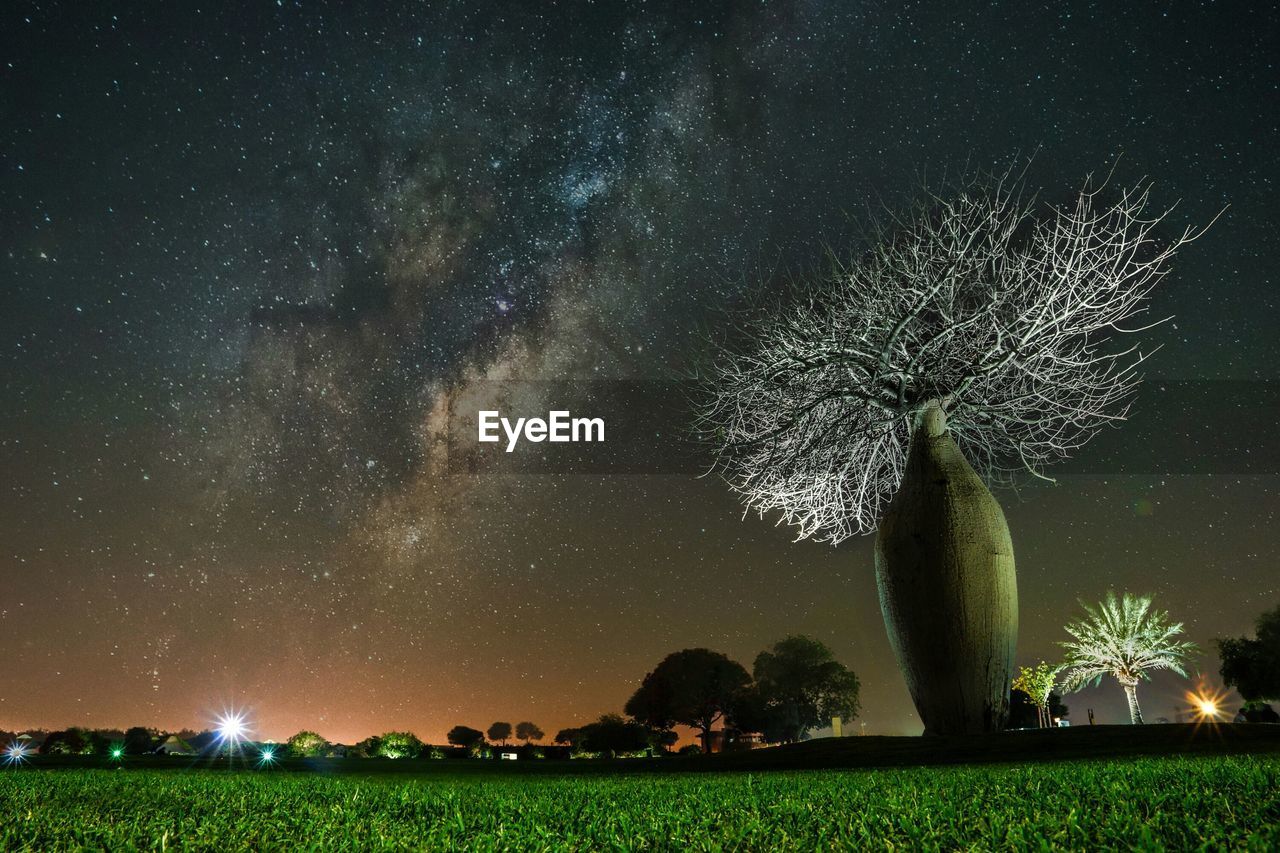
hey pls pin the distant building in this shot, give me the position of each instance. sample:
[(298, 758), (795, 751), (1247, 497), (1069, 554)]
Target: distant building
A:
[(174, 745), (729, 740)]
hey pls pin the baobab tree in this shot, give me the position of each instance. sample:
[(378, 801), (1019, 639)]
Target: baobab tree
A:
[(1123, 638), (977, 332)]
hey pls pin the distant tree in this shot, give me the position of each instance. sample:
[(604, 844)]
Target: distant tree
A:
[(69, 742), (1037, 683), (307, 744), (1123, 638), (83, 738), (399, 745), (99, 741), (612, 735), (528, 731), (1259, 712), (803, 686), (661, 740), (693, 687), (500, 732), (137, 741), (464, 736), (1252, 664), (569, 737), (752, 712), (52, 744)]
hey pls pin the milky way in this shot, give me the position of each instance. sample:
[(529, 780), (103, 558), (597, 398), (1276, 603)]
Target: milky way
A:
[(254, 259)]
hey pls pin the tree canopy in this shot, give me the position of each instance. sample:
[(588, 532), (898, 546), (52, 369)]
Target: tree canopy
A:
[(307, 744), (1124, 638), (464, 736), (1037, 683), (499, 732), (999, 311), (399, 745), (137, 740), (692, 687), (69, 742), (610, 736), (527, 731), (799, 686), (1252, 664)]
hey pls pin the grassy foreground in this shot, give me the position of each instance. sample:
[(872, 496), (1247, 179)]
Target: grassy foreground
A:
[(1228, 802)]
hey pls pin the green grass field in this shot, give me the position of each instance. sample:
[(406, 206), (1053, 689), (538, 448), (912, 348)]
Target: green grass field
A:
[(1222, 802)]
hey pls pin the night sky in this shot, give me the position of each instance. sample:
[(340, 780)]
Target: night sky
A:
[(252, 254)]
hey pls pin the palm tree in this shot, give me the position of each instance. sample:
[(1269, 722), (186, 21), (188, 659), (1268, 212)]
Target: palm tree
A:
[(1123, 638)]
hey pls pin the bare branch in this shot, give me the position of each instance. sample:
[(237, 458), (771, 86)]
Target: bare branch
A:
[(999, 309)]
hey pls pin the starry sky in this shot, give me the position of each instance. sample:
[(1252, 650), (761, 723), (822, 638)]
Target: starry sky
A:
[(255, 257)]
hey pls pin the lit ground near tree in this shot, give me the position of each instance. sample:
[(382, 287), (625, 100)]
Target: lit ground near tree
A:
[(1213, 802)]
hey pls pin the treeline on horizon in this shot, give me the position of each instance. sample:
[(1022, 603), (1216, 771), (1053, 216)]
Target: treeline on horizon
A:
[(794, 687)]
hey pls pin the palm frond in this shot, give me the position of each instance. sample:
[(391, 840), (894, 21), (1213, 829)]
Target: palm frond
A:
[(1123, 637)]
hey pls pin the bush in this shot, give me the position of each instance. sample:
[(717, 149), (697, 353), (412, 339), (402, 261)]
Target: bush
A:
[(307, 744), (399, 745)]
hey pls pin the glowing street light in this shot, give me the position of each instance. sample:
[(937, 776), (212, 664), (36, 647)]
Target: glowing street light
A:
[(267, 757), (16, 753), (231, 727), (1206, 705), (117, 753)]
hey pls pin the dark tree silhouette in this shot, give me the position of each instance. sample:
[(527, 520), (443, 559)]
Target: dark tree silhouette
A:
[(69, 742), (693, 687), (137, 741), (569, 737), (500, 732), (1252, 664), (752, 712), (803, 686), (528, 731), (610, 736), (464, 736)]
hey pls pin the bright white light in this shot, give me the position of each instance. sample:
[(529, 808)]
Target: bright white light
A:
[(232, 728), (16, 753), (117, 752), (268, 755)]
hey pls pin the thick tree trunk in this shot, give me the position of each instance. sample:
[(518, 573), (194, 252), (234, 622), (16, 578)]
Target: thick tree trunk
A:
[(948, 592), (1131, 693)]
